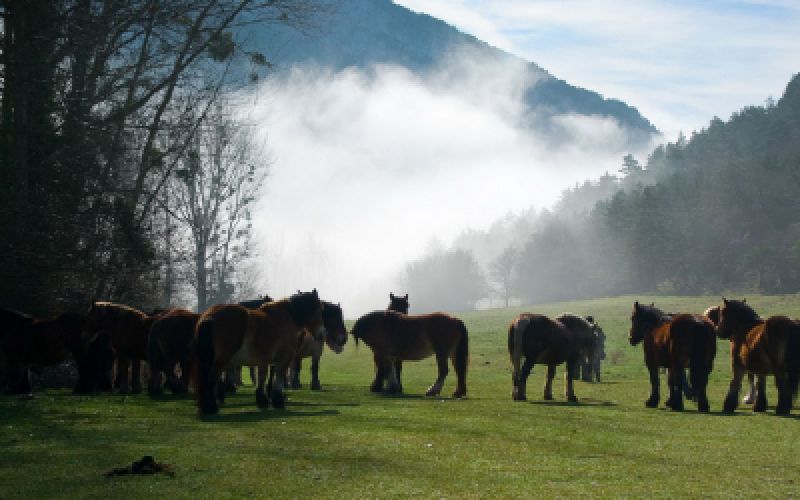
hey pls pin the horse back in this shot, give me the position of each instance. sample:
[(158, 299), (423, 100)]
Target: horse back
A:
[(174, 332), (769, 345), (690, 334), (226, 324), (417, 337), (547, 340)]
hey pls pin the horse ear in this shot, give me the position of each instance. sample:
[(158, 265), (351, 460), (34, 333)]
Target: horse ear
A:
[(406, 297), (724, 301), (391, 296), (744, 300), (315, 293), (636, 305), (652, 304)]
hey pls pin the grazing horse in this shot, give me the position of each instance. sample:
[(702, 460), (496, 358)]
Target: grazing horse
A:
[(335, 337), (171, 344), (675, 342), (28, 342), (592, 358), (395, 337), (127, 329), (763, 347), (541, 340), (230, 334)]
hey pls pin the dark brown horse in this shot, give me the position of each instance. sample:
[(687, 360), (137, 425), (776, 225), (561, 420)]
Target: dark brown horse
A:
[(171, 344), (541, 340), (335, 337), (763, 347), (231, 334), (591, 359), (397, 303), (395, 337), (127, 329), (675, 342), (28, 342)]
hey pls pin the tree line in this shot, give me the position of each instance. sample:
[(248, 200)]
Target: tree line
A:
[(711, 213)]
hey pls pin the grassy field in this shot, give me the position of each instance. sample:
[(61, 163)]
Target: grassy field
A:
[(348, 443)]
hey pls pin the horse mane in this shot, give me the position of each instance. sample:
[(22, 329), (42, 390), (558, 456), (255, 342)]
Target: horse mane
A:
[(651, 312), (302, 306), (119, 308), (742, 308)]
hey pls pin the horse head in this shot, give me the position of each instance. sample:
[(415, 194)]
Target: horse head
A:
[(398, 304), (336, 332), (735, 316), (643, 319), (306, 311)]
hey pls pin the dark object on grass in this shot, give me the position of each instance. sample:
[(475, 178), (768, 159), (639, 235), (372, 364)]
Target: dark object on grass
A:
[(147, 465)]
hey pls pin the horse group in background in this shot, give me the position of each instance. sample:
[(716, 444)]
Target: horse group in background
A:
[(759, 348)]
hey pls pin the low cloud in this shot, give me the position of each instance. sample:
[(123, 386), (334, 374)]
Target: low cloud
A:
[(370, 167)]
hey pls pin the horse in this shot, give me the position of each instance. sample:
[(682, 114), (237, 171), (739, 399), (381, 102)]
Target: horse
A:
[(675, 342), (541, 340), (335, 337), (170, 344), (127, 329), (397, 303), (230, 334), (591, 359), (28, 342), (749, 398), (394, 337), (763, 347)]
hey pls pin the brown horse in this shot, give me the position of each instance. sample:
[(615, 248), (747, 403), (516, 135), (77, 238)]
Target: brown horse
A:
[(335, 337), (171, 344), (231, 334), (395, 337), (762, 347), (28, 342), (127, 329), (675, 342), (541, 340)]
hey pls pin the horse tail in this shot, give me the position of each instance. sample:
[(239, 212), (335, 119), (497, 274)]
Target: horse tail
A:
[(206, 394), (701, 359), (515, 346), (357, 328), (793, 359)]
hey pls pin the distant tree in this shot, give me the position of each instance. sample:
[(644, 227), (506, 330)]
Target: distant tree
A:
[(501, 271), (630, 166), (448, 280)]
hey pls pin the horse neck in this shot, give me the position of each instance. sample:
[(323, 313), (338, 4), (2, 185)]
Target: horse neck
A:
[(740, 329)]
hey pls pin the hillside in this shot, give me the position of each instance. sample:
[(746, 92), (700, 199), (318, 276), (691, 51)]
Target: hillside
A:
[(363, 33)]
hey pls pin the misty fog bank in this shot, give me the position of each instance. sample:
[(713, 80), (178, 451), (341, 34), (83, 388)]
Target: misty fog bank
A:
[(371, 168)]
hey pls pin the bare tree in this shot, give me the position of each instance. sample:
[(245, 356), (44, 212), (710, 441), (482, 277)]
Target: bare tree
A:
[(212, 196), (501, 271)]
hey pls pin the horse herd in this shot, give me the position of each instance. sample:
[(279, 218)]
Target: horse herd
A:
[(206, 351)]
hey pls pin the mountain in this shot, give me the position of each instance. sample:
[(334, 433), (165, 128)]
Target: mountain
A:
[(362, 33)]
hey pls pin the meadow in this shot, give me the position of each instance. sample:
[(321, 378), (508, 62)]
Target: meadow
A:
[(346, 442)]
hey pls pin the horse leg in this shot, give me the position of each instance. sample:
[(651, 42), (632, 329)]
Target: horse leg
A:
[(676, 376), (652, 401), (278, 383), (569, 386), (377, 384), (123, 382), (732, 399), (597, 370), (522, 379), (760, 403), (222, 383), (398, 368), (393, 383), (784, 393), (441, 364), (687, 387), (294, 370), (699, 378), (261, 396), (548, 382), (315, 385), (750, 397), (136, 375), (253, 375)]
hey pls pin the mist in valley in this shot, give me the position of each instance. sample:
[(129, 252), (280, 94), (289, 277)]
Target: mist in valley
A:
[(373, 169)]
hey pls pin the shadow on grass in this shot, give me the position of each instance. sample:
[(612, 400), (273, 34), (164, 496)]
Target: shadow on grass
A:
[(583, 402), (259, 415)]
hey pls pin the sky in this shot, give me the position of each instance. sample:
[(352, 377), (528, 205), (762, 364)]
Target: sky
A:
[(680, 62), (370, 170)]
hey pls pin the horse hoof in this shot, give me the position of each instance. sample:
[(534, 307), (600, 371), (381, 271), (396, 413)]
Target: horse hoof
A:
[(548, 397), (316, 387), (459, 394), (431, 392), (703, 407), (573, 399), (278, 401), (517, 397), (759, 408), (782, 411), (651, 403), (261, 400), (375, 388)]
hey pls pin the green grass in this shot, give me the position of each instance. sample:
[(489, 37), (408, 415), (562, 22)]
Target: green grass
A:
[(348, 443)]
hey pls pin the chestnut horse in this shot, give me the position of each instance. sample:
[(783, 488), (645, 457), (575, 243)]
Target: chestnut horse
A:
[(28, 342), (335, 337), (171, 344), (762, 347), (675, 342), (395, 337), (541, 340), (230, 334), (127, 329)]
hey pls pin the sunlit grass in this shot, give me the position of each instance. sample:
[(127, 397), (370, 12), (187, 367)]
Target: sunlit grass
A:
[(346, 442)]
